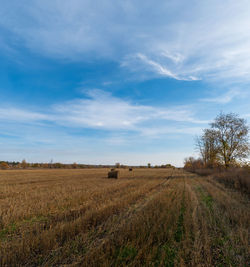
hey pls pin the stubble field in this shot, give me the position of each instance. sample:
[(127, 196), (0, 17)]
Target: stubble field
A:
[(147, 217)]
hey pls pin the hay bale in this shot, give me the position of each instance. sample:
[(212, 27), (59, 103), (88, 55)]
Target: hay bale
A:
[(130, 169), (113, 174)]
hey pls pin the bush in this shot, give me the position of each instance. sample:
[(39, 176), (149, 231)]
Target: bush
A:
[(4, 166), (205, 172), (238, 178)]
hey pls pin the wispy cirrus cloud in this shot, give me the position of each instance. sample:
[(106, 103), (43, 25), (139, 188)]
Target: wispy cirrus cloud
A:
[(204, 40), (226, 97), (13, 114), (104, 111), (100, 110), (140, 62)]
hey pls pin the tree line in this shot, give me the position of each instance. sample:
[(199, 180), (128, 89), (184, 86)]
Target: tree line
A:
[(4, 165)]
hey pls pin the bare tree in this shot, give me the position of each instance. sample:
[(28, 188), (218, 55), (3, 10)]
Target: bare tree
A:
[(207, 146), (232, 137), (192, 164)]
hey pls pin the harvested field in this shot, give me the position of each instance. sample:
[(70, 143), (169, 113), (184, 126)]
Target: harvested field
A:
[(147, 217)]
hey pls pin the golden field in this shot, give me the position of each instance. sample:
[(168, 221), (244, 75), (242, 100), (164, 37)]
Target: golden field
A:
[(78, 217)]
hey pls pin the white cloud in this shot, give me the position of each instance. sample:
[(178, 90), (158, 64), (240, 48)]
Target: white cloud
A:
[(179, 39), (104, 111), (159, 132), (225, 98), (101, 110), (151, 65), (142, 63), (176, 58), (20, 115)]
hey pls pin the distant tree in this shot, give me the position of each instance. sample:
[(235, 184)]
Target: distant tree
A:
[(232, 137), (117, 165), (36, 165), (24, 164), (192, 164), (45, 165), (50, 164), (57, 165), (149, 165), (169, 166), (74, 165), (4, 165)]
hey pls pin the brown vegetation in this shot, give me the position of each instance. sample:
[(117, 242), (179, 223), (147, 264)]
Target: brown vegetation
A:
[(238, 178), (234, 177), (4, 166), (79, 217), (222, 149)]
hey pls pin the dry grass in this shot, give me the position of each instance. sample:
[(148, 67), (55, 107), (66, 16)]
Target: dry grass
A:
[(234, 177), (81, 218), (238, 178)]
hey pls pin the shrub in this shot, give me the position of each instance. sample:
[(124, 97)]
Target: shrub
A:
[(238, 178), (4, 165), (205, 172)]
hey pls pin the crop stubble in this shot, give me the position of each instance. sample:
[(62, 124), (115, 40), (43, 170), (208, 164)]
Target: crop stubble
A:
[(145, 218)]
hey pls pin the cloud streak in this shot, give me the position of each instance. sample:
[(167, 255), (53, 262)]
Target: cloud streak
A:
[(140, 61), (21, 115), (225, 98), (102, 111), (203, 40)]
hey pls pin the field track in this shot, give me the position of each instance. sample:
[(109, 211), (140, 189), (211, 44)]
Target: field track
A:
[(147, 217)]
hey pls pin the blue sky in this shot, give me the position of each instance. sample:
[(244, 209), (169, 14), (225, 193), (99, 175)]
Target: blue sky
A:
[(118, 81)]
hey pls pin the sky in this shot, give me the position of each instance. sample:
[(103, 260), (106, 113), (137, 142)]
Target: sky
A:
[(100, 82)]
